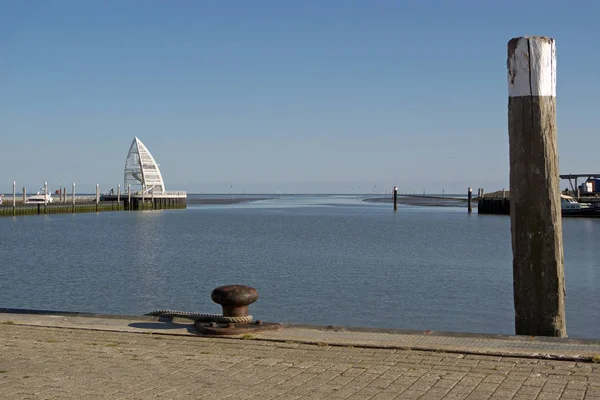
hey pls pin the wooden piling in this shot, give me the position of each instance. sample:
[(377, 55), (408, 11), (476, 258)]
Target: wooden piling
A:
[(24, 195), (45, 197), (535, 212), (469, 198), (97, 195), (73, 197), (128, 197), (119, 195), (395, 198), (14, 197)]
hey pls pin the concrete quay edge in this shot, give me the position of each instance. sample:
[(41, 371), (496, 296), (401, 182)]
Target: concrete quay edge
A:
[(567, 349)]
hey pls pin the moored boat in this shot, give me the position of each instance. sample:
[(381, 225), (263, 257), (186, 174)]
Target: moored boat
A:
[(40, 198), (570, 207)]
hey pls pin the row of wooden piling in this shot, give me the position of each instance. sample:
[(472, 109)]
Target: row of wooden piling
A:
[(66, 208), (479, 198), (59, 208)]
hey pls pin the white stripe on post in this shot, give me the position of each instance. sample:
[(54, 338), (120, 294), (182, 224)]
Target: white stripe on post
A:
[(532, 67)]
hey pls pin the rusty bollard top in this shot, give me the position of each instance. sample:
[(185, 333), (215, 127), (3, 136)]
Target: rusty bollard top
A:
[(234, 299)]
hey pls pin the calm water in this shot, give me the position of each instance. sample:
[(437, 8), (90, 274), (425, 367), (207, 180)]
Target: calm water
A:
[(318, 260)]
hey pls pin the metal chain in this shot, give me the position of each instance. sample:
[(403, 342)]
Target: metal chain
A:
[(200, 316)]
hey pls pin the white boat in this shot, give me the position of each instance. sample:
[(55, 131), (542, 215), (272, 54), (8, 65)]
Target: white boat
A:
[(572, 208), (570, 203), (40, 198)]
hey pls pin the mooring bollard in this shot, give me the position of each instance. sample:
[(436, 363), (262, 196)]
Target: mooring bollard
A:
[(395, 198), (234, 299), (235, 320), (535, 205)]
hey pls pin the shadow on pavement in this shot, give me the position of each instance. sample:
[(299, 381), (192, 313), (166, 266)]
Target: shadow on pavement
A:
[(166, 325)]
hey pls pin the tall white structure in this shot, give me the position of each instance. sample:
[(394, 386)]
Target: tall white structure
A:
[(141, 169)]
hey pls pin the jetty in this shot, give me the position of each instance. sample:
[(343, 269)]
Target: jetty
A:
[(143, 189), (588, 192), (497, 203)]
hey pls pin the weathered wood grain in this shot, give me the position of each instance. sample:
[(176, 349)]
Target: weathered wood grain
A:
[(538, 272)]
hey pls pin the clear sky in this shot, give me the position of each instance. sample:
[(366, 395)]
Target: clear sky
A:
[(279, 96)]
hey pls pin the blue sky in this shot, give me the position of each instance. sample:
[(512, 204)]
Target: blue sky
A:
[(274, 96)]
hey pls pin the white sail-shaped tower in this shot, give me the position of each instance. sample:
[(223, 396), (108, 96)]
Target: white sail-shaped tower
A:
[(141, 169)]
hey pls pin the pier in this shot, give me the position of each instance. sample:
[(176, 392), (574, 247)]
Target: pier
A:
[(497, 203), (143, 189), (139, 201)]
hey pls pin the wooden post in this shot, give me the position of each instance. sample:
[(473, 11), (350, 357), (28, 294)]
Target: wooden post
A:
[(118, 195), (45, 197), (24, 195), (14, 197), (535, 213), (129, 197), (143, 195), (153, 198), (73, 197), (395, 198), (469, 198)]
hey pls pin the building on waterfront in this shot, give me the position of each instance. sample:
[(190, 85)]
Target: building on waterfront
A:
[(142, 170)]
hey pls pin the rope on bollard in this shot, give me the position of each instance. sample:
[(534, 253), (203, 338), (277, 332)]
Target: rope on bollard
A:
[(200, 316)]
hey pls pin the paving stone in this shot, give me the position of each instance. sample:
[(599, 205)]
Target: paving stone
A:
[(76, 362)]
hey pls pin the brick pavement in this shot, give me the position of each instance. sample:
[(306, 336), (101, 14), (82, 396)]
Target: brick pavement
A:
[(65, 363)]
